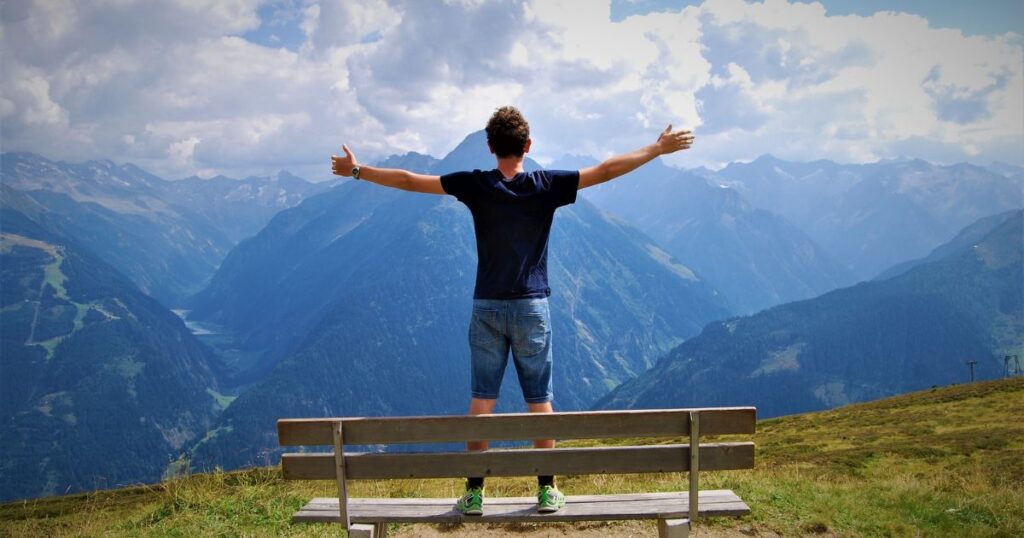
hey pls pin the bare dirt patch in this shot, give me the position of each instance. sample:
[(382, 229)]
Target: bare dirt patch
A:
[(623, 529)]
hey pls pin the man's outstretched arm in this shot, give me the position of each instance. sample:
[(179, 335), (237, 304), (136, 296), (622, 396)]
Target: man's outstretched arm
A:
[(668, 142), (389, 177)]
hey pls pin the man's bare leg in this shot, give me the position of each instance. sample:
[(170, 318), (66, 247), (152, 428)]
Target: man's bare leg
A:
[(480, 406), (544, 407)]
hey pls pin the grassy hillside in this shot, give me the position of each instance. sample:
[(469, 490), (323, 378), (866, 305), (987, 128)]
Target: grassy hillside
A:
[(944, 462)]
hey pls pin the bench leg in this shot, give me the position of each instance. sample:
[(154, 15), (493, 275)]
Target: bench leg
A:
[(360, 530), (673, 528), (380, 530)]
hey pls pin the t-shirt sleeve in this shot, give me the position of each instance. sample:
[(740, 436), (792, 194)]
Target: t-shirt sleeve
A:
[(461, 185), (564, 185)]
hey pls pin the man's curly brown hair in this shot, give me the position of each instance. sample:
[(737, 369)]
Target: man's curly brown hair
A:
[(507, 132)]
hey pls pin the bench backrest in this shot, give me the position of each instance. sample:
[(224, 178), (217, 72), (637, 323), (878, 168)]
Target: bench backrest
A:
[(666, 423)]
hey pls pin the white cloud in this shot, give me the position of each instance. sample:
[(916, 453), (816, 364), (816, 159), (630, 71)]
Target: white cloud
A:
[(334, 23), (182, 151), (51, 20), (30, 100), (870, 85), (173, 86)]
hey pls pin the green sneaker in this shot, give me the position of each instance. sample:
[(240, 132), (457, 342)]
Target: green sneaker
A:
[(549, 499), (472, 502)]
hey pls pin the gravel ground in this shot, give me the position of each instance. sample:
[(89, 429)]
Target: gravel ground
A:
[(619, 529)]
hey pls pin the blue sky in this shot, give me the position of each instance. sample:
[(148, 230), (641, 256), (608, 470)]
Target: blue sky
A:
[(974, 17), (205, 87), (281, 20)]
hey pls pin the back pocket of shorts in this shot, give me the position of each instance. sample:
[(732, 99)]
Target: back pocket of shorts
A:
[(533, 333), (483, 329)]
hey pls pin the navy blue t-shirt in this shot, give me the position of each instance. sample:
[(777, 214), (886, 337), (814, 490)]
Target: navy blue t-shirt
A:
[(512, 220)]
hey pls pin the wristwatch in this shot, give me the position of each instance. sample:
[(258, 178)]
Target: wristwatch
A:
[(355, 173)]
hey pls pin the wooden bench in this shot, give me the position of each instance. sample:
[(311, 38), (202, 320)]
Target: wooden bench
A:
[(369, 517)]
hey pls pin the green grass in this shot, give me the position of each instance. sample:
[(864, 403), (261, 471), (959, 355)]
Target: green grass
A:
[(944, 462), (80, 311), (54, 276), (222, 401), (50, 345)]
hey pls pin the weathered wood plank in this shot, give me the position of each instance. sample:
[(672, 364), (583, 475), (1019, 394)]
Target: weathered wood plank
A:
[(519, 462), (517, 426), (708, 496), (522, 513), (608, 510), (520, 509), (338, 434), (694, 471)]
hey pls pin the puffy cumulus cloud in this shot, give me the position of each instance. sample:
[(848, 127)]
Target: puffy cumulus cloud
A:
[(182, 151), (172, 89), (729, 101), (596, 86), (386, 77), (54, 33), (441, 68), (28, 101), (858, 88), (333, 23), (177, 87)]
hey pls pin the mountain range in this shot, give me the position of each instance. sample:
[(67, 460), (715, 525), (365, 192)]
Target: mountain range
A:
[(755, 257), (102, 386), (168, 237), (965, 302), (870, 217)]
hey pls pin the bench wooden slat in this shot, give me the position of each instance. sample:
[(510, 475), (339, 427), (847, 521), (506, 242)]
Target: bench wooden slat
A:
[(518, 426), (710, 496), (524, 509), (520, 462)]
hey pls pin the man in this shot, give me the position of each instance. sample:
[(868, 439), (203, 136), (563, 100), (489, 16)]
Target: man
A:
[(512, 214)]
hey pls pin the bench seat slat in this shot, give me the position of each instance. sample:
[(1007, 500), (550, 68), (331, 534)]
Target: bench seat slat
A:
[(524, 509), (518, 426), (706, 496), (520, 462)]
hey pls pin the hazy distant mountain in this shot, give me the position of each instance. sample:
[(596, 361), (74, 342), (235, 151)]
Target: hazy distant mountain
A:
[(1007, 170), (240, 208), (383, 329), (794, 190), (871, 217), (119, 213), (101, 385), (167, 237), (874, 339), (967, 238), (756, 258), (287, 272)]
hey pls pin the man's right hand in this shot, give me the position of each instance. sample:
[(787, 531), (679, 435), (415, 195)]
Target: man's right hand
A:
[(342, 166), (668, 142), (388, 177), (671, 142)]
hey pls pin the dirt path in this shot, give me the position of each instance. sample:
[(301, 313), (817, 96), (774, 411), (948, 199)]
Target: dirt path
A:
[(622, 529)]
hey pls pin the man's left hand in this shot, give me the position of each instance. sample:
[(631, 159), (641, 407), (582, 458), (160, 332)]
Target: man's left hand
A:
[(342, 166), (672, 141)]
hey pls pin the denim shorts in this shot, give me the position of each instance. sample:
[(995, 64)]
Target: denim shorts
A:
[(522, 326)]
